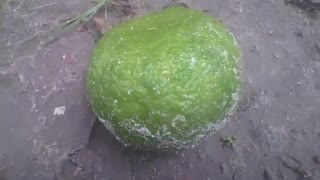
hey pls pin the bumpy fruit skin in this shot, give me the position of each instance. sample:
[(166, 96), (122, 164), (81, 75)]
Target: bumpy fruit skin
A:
[(165, 80)]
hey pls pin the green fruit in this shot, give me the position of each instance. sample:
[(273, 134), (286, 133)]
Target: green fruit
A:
[(165, 80)]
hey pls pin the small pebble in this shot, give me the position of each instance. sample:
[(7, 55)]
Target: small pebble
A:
[(222, 168), (59, 110)]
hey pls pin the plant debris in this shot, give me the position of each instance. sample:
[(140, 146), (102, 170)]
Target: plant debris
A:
[(87, 15), (228, 141)]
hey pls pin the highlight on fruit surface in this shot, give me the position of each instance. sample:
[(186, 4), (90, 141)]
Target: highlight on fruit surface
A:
[(166, 80)]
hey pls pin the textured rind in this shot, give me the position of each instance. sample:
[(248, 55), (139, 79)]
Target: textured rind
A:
[(165, 80)]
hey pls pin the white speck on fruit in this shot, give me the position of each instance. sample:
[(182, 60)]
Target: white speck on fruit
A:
[(108, 125), (144, 131), (187, 96), (102, 120), (165, 72), (120, 40), (225, 55), (235, 71), (178, 118), (164, 128), (216, 32), (235, 97), (193, 61), (235, 43)]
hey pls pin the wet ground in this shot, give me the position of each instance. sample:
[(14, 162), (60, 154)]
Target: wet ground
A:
[(48, 132)]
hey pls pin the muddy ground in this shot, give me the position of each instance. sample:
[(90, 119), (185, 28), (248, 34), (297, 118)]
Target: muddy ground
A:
[(48, 132)]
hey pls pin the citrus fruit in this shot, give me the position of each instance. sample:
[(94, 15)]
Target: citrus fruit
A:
[(164, 80)]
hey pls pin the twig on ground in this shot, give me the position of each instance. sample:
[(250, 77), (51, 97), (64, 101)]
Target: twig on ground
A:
[(43, 6)]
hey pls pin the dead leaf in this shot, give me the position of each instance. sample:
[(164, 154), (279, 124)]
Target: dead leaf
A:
[(100, 23), (82, 28), (68, 58)]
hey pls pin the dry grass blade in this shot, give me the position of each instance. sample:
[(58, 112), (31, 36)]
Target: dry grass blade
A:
[(87, 15), (53, 34)]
